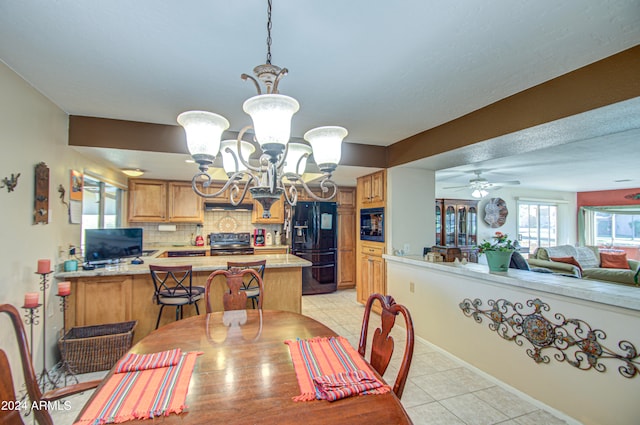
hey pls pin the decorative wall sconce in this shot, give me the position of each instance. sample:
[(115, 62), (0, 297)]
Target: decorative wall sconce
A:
[(10, 183)]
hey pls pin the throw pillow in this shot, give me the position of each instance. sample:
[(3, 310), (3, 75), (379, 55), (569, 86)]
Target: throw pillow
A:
[(610, 260), (568, 260)]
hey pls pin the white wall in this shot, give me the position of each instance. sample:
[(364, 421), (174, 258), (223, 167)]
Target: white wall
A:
[(410, 214), (591, 397), (33, 130)]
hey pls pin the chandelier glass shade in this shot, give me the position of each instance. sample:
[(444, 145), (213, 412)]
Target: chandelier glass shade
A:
[(271, 115)]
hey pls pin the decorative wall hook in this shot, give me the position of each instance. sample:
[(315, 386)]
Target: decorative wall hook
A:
[(62, 192), (10, 183)]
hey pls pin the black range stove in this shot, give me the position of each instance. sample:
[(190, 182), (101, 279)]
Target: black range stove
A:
[(231, 244)]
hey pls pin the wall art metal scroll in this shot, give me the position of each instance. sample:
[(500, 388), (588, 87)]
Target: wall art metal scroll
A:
[(570, 340)]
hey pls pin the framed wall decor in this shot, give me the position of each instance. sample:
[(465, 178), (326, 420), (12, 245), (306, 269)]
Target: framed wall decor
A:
[(75, 185), (495, 212)]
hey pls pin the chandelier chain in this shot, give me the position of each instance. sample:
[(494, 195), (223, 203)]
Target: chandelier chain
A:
[(269, 32)]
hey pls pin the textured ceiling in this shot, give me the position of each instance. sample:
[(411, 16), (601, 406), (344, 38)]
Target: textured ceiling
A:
[(385, 71)]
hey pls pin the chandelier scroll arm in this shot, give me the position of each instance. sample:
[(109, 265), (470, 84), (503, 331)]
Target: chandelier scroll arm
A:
[(282, 73), (326, 181), (255, 82), (207, 181), (244, 162), (235, 189)]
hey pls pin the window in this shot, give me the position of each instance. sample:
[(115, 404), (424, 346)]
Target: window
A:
[(537, 224), (101, 205), (612, 229)]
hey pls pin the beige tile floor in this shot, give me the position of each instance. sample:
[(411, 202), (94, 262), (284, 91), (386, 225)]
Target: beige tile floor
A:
[(439, 391)]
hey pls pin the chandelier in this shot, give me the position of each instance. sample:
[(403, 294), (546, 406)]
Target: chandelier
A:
[(281, 160)]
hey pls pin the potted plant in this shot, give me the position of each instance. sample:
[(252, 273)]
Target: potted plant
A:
[(498, 252)]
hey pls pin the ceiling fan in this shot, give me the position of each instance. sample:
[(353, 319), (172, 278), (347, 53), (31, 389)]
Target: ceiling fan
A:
[(480, 186)]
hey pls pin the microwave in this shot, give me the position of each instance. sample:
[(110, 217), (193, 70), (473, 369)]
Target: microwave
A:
[(372, 224)]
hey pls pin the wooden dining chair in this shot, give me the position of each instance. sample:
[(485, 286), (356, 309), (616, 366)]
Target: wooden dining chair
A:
[(249, 283), (7, 389), (174, 287), (234, 297), (382, 343)]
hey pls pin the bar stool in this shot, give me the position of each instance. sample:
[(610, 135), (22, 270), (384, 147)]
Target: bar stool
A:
[(173, 287)]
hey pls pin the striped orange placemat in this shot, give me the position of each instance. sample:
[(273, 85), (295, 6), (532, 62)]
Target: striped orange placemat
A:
[(331, 369), (142, 394)]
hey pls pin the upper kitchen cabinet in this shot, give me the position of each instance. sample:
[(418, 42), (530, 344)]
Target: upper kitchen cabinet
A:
[(277, 213), (371, 189), (185, 206), (163, 201)]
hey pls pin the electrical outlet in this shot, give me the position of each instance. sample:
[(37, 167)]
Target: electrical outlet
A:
[(406, 248), (412, 287)]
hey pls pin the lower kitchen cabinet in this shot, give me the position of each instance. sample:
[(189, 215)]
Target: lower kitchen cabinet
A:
[(372, 276)]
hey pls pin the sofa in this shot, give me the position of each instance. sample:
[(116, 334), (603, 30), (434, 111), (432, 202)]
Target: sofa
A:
[(585, 262)]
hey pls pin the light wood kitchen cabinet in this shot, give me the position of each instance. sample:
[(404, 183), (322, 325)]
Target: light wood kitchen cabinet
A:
[(457, 225), (346, 238), (163, 201), (372, 277), (147, 200), (184, 204), (277, 213), (371, 189)]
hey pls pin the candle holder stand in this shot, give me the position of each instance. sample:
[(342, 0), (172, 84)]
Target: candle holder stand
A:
[(44, 378), (63, 368), (30, 319)]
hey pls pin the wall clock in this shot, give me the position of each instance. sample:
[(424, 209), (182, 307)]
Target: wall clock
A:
[(495, 212)]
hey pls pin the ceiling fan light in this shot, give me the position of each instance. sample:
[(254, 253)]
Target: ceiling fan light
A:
[(203, 130), (327, 145), (271, 115), (479, 193)]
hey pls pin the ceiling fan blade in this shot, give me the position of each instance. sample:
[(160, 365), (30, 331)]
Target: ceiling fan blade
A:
[(456, 187), (509, 183)]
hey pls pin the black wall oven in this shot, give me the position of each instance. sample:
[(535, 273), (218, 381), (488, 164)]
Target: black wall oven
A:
[(372, 224)]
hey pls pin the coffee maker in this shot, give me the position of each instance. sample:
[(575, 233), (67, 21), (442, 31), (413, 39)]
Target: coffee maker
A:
[(259, 237)]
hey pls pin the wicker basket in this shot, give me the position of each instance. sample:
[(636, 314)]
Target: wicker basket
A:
[(92, 348)]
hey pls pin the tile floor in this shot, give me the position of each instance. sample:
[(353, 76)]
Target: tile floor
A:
[(440, 390)]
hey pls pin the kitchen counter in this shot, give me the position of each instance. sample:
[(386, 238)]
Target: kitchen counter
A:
[(200, 264), (123, 292)]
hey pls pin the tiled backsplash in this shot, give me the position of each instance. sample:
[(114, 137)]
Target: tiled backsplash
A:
[(214, 222)]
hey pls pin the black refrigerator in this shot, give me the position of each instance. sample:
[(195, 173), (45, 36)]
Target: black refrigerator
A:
[(315, 238)]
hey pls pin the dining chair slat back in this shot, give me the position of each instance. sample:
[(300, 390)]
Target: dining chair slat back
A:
[(382, 343), (234, 298), (250, 283)]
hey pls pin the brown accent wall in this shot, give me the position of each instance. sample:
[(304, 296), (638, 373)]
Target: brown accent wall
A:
[(141, 136), (601, 83), (130, 135), (601, 198)]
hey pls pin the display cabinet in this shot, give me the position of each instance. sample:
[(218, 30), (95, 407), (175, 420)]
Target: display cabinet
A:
[(457, 225)]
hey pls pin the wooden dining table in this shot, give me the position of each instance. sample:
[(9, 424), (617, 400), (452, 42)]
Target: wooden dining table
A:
[(246, 376)]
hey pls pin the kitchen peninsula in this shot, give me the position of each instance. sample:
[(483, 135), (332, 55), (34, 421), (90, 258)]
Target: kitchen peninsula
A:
[(124, 292)]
